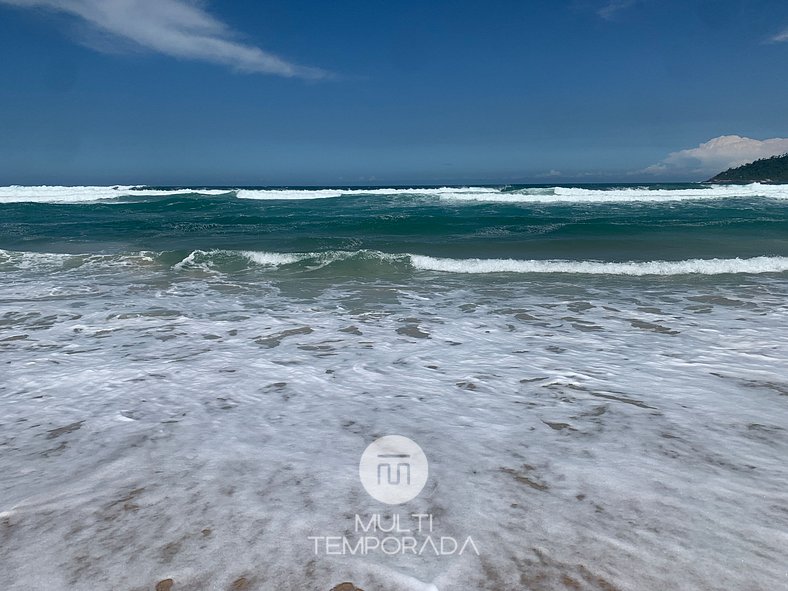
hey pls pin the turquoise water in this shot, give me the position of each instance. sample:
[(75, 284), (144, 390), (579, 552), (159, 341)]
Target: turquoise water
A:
[(605, 223), (596, 375)]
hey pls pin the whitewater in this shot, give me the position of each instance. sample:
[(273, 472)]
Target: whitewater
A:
[(504, 194), (596, 374)]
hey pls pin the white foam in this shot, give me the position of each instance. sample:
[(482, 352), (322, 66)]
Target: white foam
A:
[(624, 195), (287, 194), (625, 435), (50, 261), (763, 264), (88, 194), (190, 259), (691, 266), (206, 260), (753, 265), (316, 259), (271, 259), (300, 194)]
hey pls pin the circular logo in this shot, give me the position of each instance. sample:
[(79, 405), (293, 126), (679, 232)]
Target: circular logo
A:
[(393, 469)]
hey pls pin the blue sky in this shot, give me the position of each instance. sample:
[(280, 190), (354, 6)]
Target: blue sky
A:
[(374, 92)]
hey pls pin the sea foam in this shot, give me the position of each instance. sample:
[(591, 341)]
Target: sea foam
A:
[(763, 264), (299, 194), (208, 259), (625, 195), (691, 266), (89, 194), (613, 434)]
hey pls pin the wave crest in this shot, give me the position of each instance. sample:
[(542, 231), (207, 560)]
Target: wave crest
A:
[(686, 267), (221, 261), (536, 195)]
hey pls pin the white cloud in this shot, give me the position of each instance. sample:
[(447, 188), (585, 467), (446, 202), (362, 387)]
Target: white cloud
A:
[(780, 37), (718, 154), (609, 10), (178, 28)]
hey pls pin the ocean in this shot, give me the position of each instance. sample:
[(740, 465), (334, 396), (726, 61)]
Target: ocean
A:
[(596, 375)]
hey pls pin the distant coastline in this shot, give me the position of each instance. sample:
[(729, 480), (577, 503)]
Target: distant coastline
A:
[(772, 170)]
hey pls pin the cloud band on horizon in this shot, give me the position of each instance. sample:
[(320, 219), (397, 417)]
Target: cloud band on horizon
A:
[(718, 154), (176, 28)]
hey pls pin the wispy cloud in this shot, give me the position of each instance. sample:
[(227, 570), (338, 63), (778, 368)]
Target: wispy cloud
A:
[(718, 154), (780, 37), (613, 7), (178, 28)]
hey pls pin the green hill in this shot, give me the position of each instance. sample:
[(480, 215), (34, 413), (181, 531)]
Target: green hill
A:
[(766, 170)]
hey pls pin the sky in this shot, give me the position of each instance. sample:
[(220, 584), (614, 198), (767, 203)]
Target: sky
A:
[(367, 92)]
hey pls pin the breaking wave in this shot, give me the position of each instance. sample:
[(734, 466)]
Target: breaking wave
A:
[(92, 194), (626, 195), (687, 267), (372, 262)]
